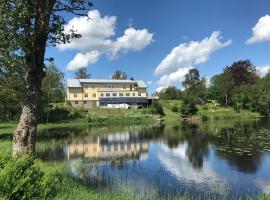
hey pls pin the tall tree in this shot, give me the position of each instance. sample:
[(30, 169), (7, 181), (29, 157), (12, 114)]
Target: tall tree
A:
[(52, 86), (82, 74), (243, 72), (119, 75), (26, 28), (222, 86), (195, 85)]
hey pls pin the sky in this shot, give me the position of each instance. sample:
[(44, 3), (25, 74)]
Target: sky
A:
[(158, 41)]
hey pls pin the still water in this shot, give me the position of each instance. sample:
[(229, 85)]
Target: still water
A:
[(214, 160)]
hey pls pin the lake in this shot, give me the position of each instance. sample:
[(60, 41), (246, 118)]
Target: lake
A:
[(211, 160)]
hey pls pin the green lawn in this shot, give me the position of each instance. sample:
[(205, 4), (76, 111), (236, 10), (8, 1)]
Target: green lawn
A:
[(214, 111)]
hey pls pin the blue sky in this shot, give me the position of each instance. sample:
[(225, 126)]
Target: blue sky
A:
[(136, 36)]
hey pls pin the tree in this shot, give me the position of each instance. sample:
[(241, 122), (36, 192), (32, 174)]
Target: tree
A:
[(119, 75), (170, 93), (27, 27), (243, 72), (82, 74), (53, 90), (194, 85), (222, 86), (192, 78)]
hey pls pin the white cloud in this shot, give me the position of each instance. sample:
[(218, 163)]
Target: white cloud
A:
[(158, 89), (173, 78), (149, 83), (83, 60), (95, 32), (97, 35), (263, 70), (132, 39), (261, 31), (188, 54)]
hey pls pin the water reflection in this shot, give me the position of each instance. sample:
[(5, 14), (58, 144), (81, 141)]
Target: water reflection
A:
[(222, 158), (121, 145)]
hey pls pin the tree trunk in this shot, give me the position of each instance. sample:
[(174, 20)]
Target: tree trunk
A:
[(24, 137)]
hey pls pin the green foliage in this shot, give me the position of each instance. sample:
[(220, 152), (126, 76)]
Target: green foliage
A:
[(60, 113), (188, 108), (175, 108), (194, 85), (82, 74), (53, 90), (157, 108), (170, 93), (22, 178), (119, 75)]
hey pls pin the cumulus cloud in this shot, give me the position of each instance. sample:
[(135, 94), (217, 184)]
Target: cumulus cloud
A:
[(83, 60), (173, 78), (132, 39), (263, 70), (98, 37), (261, 31), (188, 54), (176, 64)]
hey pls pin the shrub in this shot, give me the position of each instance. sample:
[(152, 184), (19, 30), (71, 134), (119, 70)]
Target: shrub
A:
[(175, 108), (157, 108), (22, 178), (188, 108)]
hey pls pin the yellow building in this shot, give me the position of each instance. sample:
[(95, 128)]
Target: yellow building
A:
[(104, 92)]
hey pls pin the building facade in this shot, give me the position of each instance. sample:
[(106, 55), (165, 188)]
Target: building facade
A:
[(91, 93)]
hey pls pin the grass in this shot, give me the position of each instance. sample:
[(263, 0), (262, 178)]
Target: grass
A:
[(97, 116), (171, 117), (213, 111), (210, 111)]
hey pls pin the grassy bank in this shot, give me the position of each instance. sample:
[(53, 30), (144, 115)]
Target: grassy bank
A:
[(213, 111), (208, 111)]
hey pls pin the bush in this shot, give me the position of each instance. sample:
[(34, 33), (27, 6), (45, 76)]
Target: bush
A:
[(188, 108), (157, 108), (175, 108), (22, 178), (61, 113)]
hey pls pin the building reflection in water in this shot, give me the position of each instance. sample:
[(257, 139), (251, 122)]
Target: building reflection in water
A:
[(108, 147)]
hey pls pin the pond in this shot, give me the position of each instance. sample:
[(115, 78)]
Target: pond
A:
[(213, 160)]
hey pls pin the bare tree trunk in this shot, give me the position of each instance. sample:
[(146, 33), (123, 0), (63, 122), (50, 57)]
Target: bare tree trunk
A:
[(24, 137)]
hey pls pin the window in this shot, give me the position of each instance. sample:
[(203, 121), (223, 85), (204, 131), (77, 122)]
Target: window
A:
[(130, 87), (121, 94), (94, 95), (134, 94), (114, 94), (127, 94), (85, 87), (75, 95), (76, 102), (124, 86), (93, 86), (85, 102), (139, 94), (86, 95), (108, 94), (101, 94)]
